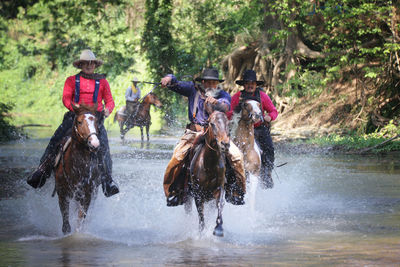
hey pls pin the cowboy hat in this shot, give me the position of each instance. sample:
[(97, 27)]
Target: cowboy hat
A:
[(249, 76), (135, 80), (209, 74), (87, 55)]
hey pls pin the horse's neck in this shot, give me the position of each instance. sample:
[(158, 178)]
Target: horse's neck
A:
[(79, 150), (244, 136), (210, 152)]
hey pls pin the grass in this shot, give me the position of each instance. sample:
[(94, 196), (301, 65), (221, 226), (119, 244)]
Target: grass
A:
[(358, 143)]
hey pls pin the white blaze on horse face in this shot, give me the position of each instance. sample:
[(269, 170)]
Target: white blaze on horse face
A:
[(256, 110), (256, 106), (93, 140)]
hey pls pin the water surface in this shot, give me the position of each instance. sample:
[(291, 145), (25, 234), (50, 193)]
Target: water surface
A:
[(323, 210)]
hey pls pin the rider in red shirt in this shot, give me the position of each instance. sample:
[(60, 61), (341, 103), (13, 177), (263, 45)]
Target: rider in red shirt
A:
[(87, 88), (261, 129)]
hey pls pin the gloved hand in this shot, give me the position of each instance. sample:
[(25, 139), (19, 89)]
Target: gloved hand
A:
[(106, 112)]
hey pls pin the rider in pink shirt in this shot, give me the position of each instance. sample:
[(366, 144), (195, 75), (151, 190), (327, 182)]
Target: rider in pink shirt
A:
[(261, 129)]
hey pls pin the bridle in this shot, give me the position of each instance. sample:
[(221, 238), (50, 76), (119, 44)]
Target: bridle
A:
[(85, 139)]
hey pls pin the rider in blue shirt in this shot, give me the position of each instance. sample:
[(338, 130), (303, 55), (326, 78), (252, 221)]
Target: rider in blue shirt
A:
[(199, 97)]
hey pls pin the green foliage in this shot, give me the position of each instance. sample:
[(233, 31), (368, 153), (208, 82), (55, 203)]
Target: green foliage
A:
[(158, 44), (7, 130), (40, 40), (206, 30), (306, 83), (358, 142)]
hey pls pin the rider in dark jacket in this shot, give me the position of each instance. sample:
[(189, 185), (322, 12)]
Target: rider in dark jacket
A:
[(198, 99)]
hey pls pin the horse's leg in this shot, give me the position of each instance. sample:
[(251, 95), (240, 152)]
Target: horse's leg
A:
[(141, 133), (218, 230), (188, 205), (84, 206), (200, 210), (63, 202), (121, 130), (147, 132)]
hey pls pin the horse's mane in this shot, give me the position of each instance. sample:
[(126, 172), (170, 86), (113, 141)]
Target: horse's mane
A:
[(234, 122), (83, 108)]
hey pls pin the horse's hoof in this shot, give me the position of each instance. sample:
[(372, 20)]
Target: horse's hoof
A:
[(218, 231), (174, 201), (66, 228)]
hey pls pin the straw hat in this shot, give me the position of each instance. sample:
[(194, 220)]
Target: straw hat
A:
[(135, 80), (87, 55)]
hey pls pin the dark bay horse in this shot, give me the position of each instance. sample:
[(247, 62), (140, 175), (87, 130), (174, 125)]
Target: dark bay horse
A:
[(207, 168), (141, 117), (243, 135), (77, 175)]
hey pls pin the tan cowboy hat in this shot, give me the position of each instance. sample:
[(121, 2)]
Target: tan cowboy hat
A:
[(87, 55), (135, 80)]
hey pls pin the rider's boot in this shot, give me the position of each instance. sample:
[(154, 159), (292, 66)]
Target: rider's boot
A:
[(110, 188), (266, 178), (236, 183), (39, 176), (174, 181)]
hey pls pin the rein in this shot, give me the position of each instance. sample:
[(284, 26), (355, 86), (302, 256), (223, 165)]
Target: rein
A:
[(81, 136), (208, 144), (85, 139)]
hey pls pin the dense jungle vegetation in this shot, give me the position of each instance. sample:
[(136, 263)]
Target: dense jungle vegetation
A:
[(330, 65)]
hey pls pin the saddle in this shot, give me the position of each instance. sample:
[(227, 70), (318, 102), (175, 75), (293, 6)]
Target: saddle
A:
[(64, 144)]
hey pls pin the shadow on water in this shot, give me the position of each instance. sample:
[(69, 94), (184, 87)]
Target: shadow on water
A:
[(324, 209)]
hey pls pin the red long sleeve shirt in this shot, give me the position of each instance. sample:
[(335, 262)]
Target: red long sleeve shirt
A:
[(266, 103), (86, 93)]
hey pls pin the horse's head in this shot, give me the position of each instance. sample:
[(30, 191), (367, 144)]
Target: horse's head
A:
[(251, 111), (85, 128), (153, 99), (218, 130)]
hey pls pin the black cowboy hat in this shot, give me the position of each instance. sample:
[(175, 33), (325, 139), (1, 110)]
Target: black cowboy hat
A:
[(209, 74), (249, 76)]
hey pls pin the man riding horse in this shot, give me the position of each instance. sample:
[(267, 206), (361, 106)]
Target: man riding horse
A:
[(199, 98), (261, 129), (87, 88), (132, 96)]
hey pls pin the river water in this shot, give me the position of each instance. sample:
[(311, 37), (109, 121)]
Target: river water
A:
[(324, 210)]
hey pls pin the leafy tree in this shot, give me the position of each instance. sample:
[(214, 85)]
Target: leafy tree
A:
[(7, 130), (158, 45)]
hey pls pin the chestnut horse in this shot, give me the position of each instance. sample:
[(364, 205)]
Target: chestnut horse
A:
[(141, 117), (243, 135), (207, 168), (77, 176)]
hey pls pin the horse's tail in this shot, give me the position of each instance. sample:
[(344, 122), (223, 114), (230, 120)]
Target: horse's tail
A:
[(115, 116)]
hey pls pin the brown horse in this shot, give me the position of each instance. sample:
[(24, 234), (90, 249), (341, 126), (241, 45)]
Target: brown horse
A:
[(243, 135), (77, 175), (141, 117), (207, 168)]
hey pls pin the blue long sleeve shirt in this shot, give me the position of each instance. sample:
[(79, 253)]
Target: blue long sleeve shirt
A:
[(188, 89)]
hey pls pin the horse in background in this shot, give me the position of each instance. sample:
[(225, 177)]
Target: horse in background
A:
[(141, 117), (207, 168), (243, 135), (77, 175)]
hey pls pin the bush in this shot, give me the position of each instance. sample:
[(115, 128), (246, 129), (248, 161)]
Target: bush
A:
[(7, 131)]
